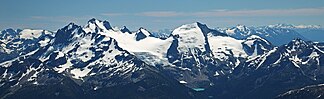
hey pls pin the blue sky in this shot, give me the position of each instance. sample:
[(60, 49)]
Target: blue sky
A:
[(158, 14)]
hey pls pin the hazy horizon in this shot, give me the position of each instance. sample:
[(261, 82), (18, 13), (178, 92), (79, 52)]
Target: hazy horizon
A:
[(157, 15)]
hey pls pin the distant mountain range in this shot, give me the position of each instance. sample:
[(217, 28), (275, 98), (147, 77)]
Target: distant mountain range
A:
[(312, 32), (278, 34), (97, 60)]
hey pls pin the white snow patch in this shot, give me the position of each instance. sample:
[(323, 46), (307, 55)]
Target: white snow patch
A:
[(182, 82), (60, 54), (249, 43), (63, 67), (314, 54), (230, 31), (36, 83), (80, 73), (319, 49), (100, 24), (145, 32), (34, 76), (155, 46), (295, 59), (219, 44), (4, 75), (255, 52), (44, 42), (295, 64), (237, 62), (264, 57), (83, 53), (216, 74), (30, 34), (255, 37), (95, 88)]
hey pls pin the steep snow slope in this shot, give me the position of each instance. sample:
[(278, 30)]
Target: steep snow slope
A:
[(190, 36), (223, 46)]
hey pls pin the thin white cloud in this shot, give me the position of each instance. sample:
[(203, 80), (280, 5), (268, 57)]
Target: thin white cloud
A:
[(263, 12), (62, 18), (38, 17), (235, 13), (161, 14), (113, 14)]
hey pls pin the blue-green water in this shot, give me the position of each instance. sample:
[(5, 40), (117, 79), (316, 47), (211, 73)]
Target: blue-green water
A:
[(198, 89)]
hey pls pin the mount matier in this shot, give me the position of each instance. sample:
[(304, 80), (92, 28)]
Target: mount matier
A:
[(193, 62)]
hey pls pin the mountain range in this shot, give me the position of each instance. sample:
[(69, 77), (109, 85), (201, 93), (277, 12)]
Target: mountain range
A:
[(193, 61), (278, 34)]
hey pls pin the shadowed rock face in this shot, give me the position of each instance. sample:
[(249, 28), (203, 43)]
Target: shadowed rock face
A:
[(142, 34), (52, 85), (125, 30), (287, 67), (310, 92)]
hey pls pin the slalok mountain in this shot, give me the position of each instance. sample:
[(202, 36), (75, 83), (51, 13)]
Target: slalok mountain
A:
[(100, 61)]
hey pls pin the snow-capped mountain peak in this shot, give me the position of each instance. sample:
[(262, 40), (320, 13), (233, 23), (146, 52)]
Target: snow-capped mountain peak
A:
[(9, 33), (192, 36), (188, 28), (241, 27), (297, 44), (240, 31), (255, 45), (125, 30), (70, 26), (67, 33), (255, 37), (95, 25), (142, 33)]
